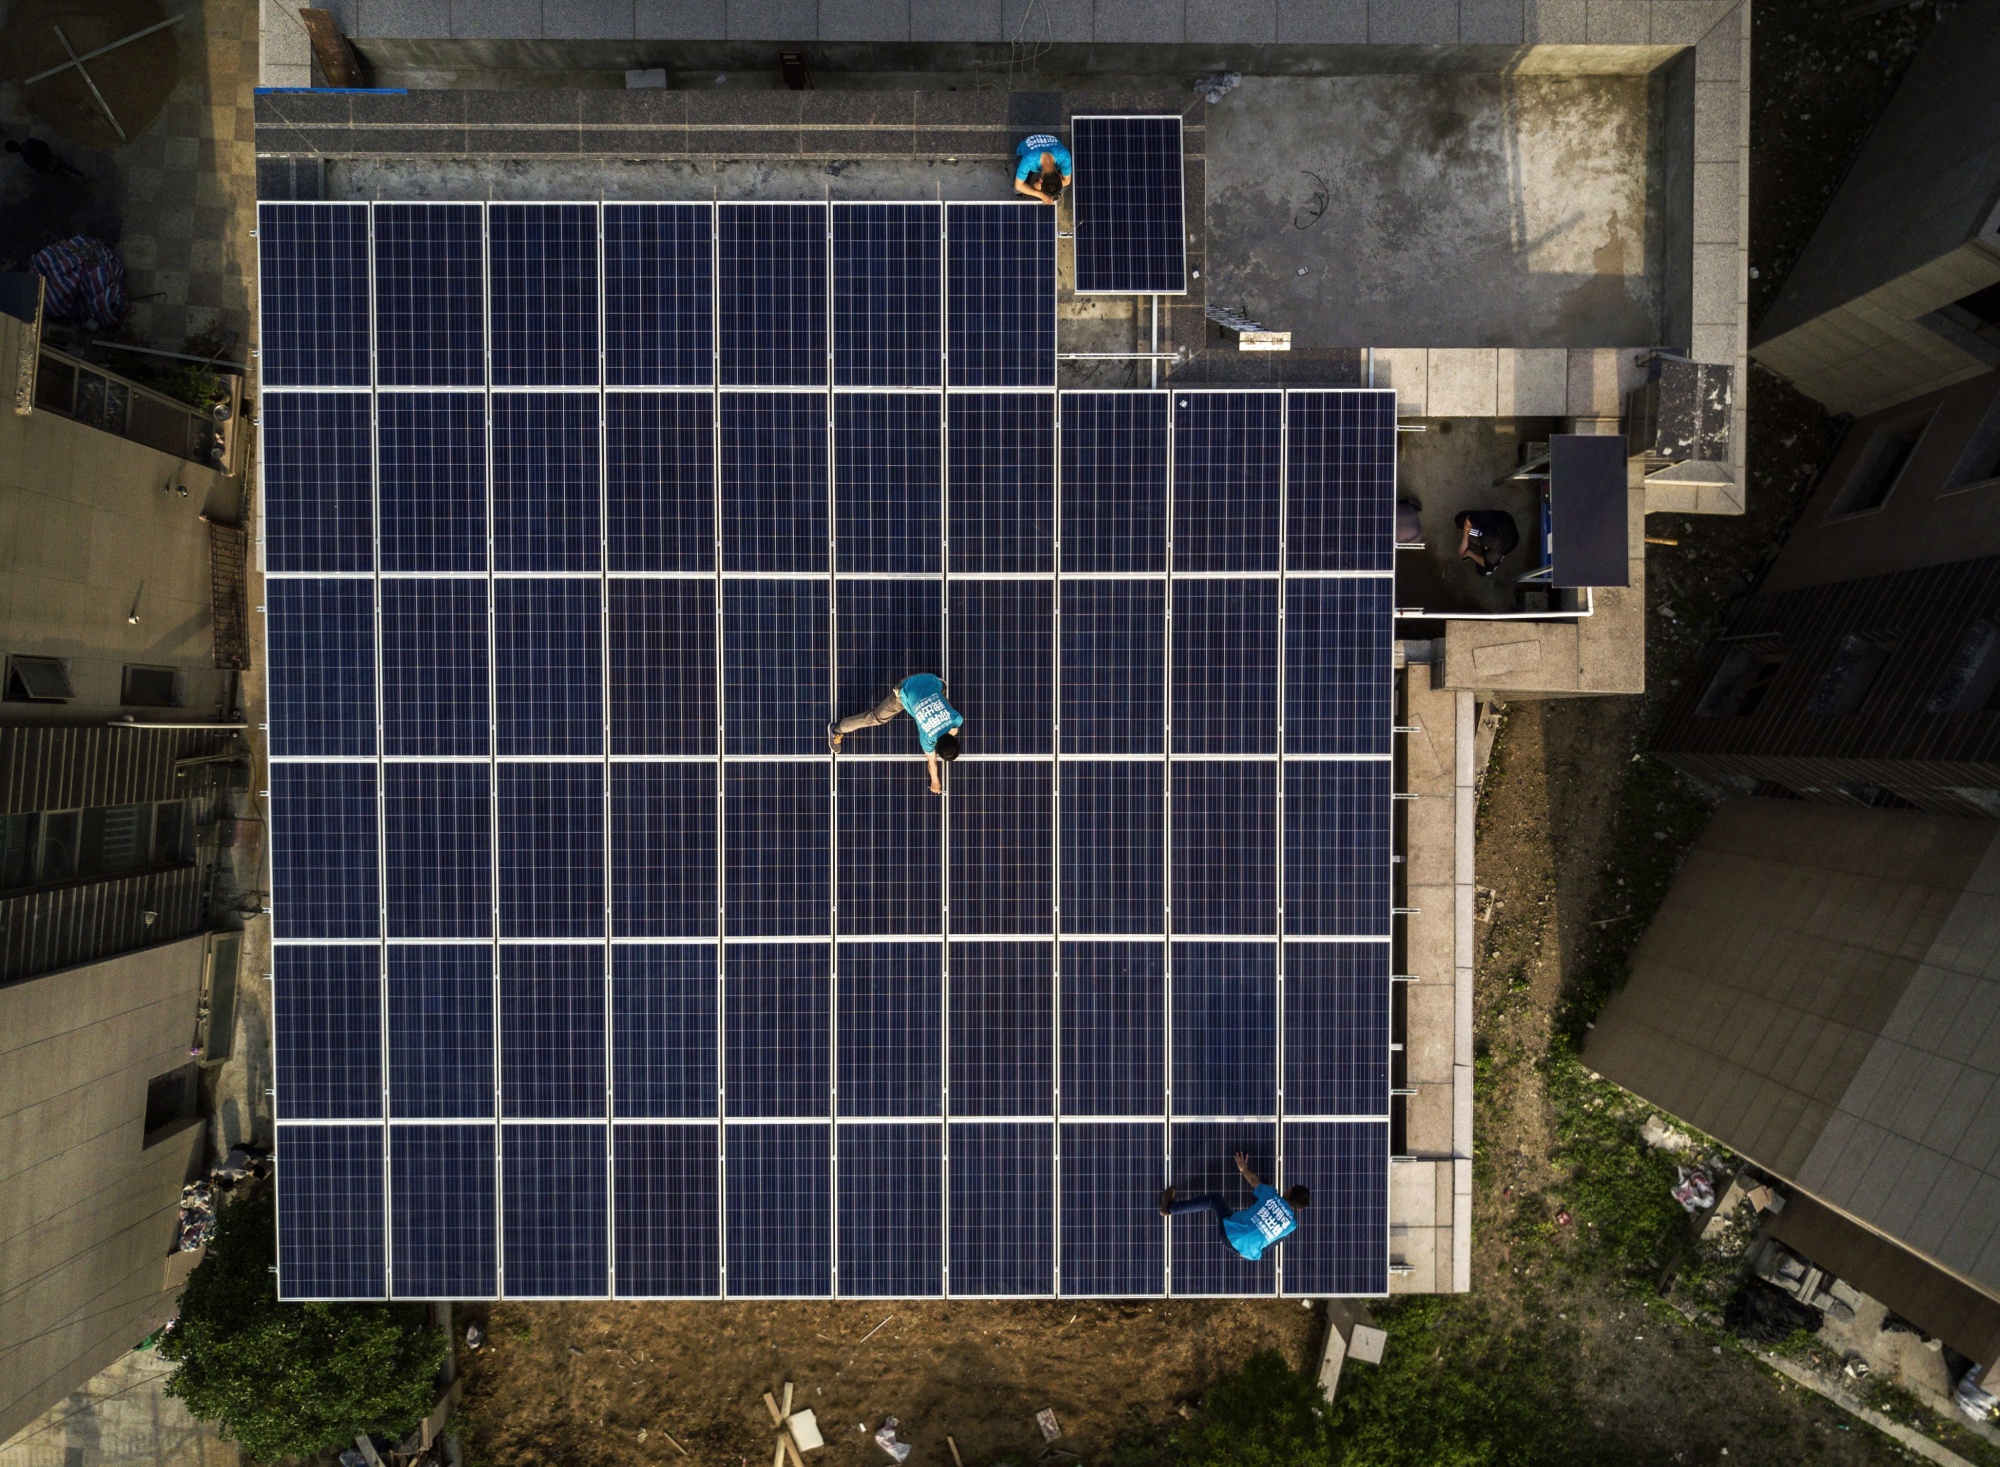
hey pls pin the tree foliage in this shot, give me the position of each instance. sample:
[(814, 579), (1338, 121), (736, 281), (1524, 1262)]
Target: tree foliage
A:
[(288, 1379)]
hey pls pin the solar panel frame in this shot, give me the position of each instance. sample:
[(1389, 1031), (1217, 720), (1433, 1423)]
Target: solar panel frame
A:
[(1131, 214)]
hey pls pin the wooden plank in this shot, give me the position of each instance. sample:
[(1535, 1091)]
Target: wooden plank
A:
[(771, 1405), (336, 58)]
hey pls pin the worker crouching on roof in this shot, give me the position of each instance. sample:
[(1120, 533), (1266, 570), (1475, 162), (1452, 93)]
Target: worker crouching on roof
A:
[(921, 695), (1042, 168)]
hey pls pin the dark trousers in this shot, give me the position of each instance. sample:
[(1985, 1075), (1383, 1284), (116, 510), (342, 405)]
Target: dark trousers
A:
[(1207, 1202)]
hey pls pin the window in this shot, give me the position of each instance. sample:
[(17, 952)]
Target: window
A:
[(1973, 682), (1979, 463), (55, 846), (37, 680), (1844, 687), (1741, 682), (1883, 459), (151, 687), (170, 1098)]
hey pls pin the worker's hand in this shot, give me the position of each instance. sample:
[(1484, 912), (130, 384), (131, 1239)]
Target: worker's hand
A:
[(1243, 1161), (936, 788)]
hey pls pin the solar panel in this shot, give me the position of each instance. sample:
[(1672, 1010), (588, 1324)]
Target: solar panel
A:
[(554, 824), (1130, 205), (312, 260)]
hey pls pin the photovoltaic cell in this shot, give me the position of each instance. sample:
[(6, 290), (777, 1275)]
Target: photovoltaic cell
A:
[(890, 861), (438, 843), (663, 1030), (433, 481), (1345, 1249), (774, 1022), (1225, 828), (890, 1029), (552, 1001), (1001, 301), (1113, 1024), (774, 494), (771, 284), (548, 643), (1131, 230), (1113, 1238), (545, 482), (660, 481), (780, 1211), (1114, 677), (1001, 466), (328, 1032), (318, 451), (885, 631), (663, 850), (775, 844), (1114, 481), (887, 281), (429, 295), (1002, 662), (662, 667), (1001, 855), (659, 315), (1225, 666), (544, 263), (320, 678), (555, 1215), (444, 1243), (1337, 1028), (888, 483), (330, 1212), (441, 1034), (1002, 997), (435, 661), (1225, 1028), (1113, 847), (666, 1179), (891, 1224), (1204, 1162), (312, 267), (1339, 644), (1339, 886), (324, 851), (1340, 500), (1002, 1212), (551, 850), (778, 628), (1226, 480)]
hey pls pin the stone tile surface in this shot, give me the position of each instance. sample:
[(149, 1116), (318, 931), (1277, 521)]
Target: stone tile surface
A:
[(678, 20)]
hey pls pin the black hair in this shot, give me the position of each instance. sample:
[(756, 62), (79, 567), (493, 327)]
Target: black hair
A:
[(1299, 1196), (947, 745)]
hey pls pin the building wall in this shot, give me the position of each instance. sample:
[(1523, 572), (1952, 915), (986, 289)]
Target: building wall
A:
[(88, 1210), (1816, 993)]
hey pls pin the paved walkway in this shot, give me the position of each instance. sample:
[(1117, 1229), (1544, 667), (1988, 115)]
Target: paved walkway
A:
[(123, 1418)]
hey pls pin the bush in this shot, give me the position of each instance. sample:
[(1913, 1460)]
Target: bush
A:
[(287, 1379), (1265, 1415)]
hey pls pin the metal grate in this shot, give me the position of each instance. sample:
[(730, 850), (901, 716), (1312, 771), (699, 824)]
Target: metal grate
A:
[(227, 551)]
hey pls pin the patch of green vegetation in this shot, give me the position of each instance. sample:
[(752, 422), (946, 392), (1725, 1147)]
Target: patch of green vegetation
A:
[(1618, 1189), (189, 382)]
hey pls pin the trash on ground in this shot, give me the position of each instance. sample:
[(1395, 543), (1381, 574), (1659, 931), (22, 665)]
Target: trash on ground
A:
[(804, 1428), (1662, 1136), (1973, 1401), (85, 282), (197, 1224), (885, 1438), (474, 1337), (1046, 1420), (1695, 1192)]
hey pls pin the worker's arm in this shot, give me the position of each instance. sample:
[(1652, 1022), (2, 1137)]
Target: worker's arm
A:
[(937, 788), (1243, 1166), (1464, 540)]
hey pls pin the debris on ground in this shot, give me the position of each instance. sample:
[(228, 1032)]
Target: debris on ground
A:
[(1046, 1420), (1695, 1192), (1973, 1402), (197, 1224), (885, 1438), (1663, 1136), (474, 1337), (1769, 1316)]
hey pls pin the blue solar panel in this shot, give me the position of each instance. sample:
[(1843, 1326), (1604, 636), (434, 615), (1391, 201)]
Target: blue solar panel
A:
[(775, 846), (663, 1030), (774, 492), (435, 662), (1226, 480), (1225, 1028), (662, 661), (552, 1002), (1114, 1028), (771, 289), (320, 676), (544, 291), (1340, 498), (780, 1211), (551, 850), (1113, 1239), (1002, 1227), (666, 1180), (324, 851), (1114, 679), (780, 628), (888, 483), (554, 1219), (887, 280), (441, 1035), (663, 850), (1337, 1028), (1225, 645), (430, 302), (890, 1029), (1337, 887), (1002, 1041), (330, 1212), (660, 481), (885, 631), (443, 1236), (438, 848), (1002, 645), (1344, 1250), (328, 1032), (545, 482), (1225, 848), (319, 472), (1204, 1162), (775, 1001), (889, 887), (1131, 229), (1002, 852), (312, 267), (1114, 481), (891, 1210), (1339, 679), (1001, 302), (1000, 449), (548, 658), (1114, 871), (432, 456), (659, 307)]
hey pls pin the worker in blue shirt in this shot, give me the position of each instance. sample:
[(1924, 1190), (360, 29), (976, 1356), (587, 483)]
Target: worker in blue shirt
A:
[(1042, 168), (922, 697), (1268, 1218)]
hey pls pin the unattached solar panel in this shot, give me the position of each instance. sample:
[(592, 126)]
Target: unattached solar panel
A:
[(595, 975), (1131, 211)]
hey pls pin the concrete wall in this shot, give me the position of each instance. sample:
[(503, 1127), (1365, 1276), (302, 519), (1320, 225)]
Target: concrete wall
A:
[(87, 1211), (88, 539)]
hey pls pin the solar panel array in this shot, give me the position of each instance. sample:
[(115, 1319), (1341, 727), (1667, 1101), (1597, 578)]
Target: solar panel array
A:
[(595, 974), (1131, 209)]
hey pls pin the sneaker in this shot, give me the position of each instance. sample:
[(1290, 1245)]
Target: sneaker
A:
[(1167, 1203), (833, 737)]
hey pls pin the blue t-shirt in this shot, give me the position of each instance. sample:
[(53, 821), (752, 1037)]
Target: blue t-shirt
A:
[(1030, 154), (1254, 1229), (922, 697)]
